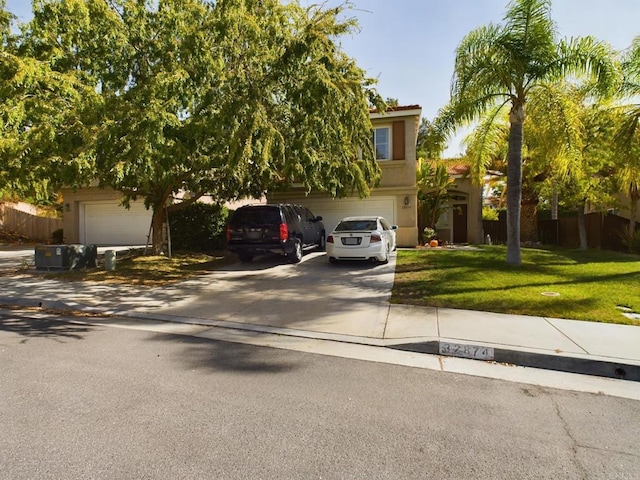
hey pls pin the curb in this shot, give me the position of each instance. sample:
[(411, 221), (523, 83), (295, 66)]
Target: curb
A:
[(561, 363)]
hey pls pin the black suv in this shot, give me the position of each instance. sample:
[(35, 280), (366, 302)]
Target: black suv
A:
[(284, 229)]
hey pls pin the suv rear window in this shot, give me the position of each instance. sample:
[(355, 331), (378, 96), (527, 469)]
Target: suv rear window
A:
[(256, 216)]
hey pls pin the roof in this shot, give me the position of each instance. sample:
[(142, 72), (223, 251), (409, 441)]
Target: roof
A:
[(398, 108), (458, 169)]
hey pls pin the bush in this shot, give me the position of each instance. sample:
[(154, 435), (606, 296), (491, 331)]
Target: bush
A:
[(57, 236), (631, 240), (489, 213), (428, 234), (200, 227)]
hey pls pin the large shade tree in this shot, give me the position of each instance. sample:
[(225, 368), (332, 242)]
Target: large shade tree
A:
[(228, 98), (500, 65), (40, 114)]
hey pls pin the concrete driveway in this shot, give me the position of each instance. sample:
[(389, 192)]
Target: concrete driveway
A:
[(349, 298), (12, 257)]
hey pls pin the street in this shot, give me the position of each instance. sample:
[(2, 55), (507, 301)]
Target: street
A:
[(82, 401)]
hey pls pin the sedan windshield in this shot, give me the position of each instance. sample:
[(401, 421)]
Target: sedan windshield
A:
[(357, 225)]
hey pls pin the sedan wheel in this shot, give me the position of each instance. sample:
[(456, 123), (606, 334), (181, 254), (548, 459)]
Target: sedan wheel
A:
[(385, 260)]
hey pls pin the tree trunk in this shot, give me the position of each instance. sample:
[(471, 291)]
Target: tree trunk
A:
[(158, 224), (480, 232), (514, 184), (582, 228), (554, 202), (634, 195)]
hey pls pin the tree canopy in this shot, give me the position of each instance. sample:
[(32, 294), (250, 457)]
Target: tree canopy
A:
[(229, 98)]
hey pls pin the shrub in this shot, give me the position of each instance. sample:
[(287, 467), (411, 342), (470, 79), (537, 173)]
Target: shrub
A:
[(200, 227), (427, 234), (631, 240), (489, 213), (57, 236)]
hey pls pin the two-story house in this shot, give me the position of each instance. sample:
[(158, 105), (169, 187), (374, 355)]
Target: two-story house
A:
[(395, 138), (94, 216)]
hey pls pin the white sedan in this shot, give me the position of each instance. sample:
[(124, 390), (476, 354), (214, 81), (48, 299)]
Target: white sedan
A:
[(362, 238)]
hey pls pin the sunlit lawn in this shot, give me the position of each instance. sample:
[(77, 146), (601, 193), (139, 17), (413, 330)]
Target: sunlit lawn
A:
[(151, 270), (558, 283)]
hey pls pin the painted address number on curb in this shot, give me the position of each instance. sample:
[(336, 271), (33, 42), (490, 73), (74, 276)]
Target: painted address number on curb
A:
[(466, 351)]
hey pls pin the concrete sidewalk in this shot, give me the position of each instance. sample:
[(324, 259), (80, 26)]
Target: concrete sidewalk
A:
[(265, 298)]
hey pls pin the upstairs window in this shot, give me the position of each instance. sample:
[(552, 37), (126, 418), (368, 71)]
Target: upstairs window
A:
[(382, 143)]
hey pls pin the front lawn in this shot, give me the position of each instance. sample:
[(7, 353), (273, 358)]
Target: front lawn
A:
[(150, 270), (560, 283)]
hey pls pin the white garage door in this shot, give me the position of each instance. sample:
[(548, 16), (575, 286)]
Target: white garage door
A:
[(107, 223), (332, 211)]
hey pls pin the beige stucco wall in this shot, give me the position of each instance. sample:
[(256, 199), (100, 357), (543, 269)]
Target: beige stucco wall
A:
[(71, 210), (470, 195), (405, 214), (400, 172), (398, 179)]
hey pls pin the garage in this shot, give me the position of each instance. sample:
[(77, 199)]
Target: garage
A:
[(332, 211), (107, 223)]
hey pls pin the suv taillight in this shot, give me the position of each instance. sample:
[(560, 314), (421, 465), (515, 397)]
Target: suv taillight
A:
[(228, 233), (284, 232), (375, 238), (330, 239)]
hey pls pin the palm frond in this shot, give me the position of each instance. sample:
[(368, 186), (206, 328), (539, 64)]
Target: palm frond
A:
[(487, 144), (556, 128), (590, 57), (630, 64), (529, 33)]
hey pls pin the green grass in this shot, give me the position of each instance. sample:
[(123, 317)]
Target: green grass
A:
[(591, 284)]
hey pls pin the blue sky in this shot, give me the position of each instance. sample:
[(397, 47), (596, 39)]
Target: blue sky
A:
[(408, 45)]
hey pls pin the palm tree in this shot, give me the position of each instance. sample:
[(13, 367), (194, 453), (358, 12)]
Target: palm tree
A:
[(499, 65), (434, 183), (627, 137)]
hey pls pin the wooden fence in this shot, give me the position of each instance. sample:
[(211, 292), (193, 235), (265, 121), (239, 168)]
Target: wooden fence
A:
[(31, 226), (603, 231)]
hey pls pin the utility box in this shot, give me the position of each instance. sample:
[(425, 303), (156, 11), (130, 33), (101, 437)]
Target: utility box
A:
[(65, 257), (110, 260)]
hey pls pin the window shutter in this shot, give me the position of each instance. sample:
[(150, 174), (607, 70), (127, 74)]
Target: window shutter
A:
[(398, 140)]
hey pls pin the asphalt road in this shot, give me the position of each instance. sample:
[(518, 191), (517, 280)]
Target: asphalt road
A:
[(97, 402)]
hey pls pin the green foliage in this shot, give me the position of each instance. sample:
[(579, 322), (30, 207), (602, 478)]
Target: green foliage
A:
[(626, 155), (431, 141), (57, 236), (428, 233), (591, 284), (434, 182), (498, 66), (631, 240), (229, 98), (200, 227), (489, 213)]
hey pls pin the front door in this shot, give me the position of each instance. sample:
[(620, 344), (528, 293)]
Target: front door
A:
[(460, 223)]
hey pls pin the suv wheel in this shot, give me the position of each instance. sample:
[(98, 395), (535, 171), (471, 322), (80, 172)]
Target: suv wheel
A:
[(245, 257), (322, 243), (296, 255)]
